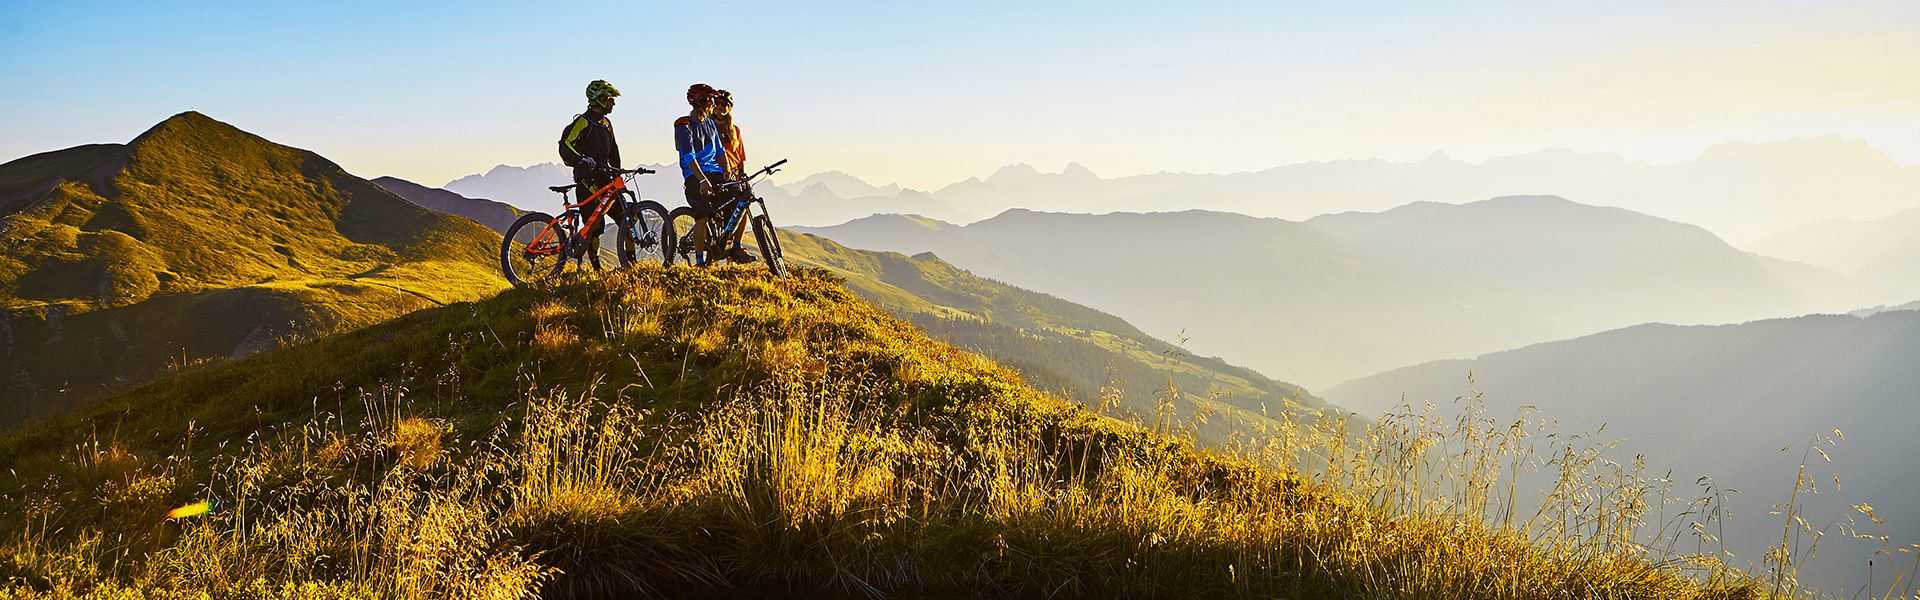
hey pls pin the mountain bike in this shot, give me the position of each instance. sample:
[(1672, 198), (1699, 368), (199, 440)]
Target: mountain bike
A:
[(725, 219), (538, 246)]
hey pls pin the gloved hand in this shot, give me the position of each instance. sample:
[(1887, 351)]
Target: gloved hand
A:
[(589, 162)]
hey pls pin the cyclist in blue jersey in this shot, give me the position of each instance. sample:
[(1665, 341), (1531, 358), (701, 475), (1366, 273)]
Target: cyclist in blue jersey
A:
[(702, 162)]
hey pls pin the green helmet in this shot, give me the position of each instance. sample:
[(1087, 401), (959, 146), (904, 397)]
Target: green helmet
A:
[(599, 90)]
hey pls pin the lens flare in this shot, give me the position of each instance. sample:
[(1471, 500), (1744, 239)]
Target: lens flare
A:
[(191, 510)]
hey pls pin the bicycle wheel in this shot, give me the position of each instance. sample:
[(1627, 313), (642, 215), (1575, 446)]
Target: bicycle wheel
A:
[(533, 249), (645, 236), (683, 221), (769, 241)]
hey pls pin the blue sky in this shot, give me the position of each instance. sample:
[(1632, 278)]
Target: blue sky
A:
[(927, 93)]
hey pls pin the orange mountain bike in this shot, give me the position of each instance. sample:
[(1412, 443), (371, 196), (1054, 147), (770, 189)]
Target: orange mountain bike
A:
[(538, 246)]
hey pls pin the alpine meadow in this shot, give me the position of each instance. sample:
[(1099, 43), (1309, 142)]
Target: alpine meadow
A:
[(1037, 300)]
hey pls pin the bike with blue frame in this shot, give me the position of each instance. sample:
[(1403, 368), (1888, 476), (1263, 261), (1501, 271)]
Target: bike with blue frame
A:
[(727, 218)]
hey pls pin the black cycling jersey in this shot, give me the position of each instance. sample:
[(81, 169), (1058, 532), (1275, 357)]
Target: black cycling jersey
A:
[(589, 135)]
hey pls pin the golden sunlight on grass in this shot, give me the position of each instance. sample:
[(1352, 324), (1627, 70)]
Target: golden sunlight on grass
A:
[(775, 438)]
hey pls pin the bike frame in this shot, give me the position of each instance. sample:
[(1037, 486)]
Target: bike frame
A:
[(738, 211), (742, 208), (543, 244)]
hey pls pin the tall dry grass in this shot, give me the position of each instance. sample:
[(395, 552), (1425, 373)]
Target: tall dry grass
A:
[(766, 437)]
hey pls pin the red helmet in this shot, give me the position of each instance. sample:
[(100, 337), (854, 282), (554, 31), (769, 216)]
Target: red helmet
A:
[(698, 91)]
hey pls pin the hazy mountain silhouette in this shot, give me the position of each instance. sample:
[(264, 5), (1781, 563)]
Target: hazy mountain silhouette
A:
[(199, 241), (1720, 401), (495, 215), (526, 187), (1280, 296), (1344, 295), (1739, 191), (523, 187), (1059, 346), (819, 199), (841, 185), (1884, 250), (1597, 267)]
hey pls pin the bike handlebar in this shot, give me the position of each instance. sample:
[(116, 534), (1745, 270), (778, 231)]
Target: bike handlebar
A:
[(633, 171), (766, 170)]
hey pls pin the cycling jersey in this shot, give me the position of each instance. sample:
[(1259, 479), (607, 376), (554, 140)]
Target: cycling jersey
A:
[(734, 150), (589, 135), (699, 146)]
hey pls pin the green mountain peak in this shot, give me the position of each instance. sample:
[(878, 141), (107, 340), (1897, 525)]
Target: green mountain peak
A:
[(240, 239)]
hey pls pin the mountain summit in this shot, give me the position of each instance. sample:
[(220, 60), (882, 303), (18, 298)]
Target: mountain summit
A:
[(198, 240)]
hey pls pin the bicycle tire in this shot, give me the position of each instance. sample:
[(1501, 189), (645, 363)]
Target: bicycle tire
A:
[(769, 240), (645, 235), (683, 221), (523, 264)]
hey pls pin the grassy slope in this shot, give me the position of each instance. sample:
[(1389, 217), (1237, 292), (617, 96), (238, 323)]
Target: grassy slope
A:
[(1059, 346), (497, 216), (199, 241), (689, 432)]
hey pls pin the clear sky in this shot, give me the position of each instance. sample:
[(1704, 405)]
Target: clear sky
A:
[(926, 93)]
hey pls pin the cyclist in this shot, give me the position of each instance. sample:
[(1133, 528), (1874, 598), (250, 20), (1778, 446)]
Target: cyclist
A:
[(588, 146), (733, 148), (733, 152), (697, 139)]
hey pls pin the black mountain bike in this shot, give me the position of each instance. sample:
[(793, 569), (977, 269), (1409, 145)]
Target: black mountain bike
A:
[(726, 218), (538, 246)]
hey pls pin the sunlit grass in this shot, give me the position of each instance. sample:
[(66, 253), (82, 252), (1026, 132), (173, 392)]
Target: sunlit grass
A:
[(682, 432)]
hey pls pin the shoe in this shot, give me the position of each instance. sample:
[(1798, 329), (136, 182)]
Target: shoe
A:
[(741, 256)]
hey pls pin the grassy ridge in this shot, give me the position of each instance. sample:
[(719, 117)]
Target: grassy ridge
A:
[(690, 432), (199, 241), (1080, 353)]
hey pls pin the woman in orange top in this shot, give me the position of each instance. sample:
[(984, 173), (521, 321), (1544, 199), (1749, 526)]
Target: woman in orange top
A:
[(733, 158), (731, 145)]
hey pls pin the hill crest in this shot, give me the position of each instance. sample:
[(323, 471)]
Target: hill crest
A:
[(586, 440), (197, 240)]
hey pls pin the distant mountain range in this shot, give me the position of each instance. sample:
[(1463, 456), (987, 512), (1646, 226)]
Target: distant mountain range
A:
[(1740, 191), (820, 199), (1721, 401), (1351, 294), (1058, 346), (1886, 249), (197, 241)]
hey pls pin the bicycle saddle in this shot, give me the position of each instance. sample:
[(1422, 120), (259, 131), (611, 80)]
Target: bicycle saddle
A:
[(562, 188)]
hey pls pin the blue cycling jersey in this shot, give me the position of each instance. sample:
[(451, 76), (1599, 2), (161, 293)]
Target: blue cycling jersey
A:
[(699, 146)]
